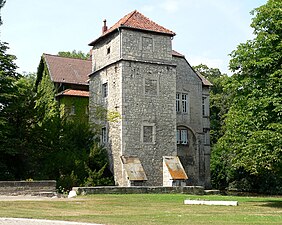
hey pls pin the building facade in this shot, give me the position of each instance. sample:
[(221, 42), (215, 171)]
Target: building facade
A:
[(161, 136), (66, 80)]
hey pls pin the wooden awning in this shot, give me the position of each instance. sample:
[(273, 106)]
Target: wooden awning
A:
[(133, 168)]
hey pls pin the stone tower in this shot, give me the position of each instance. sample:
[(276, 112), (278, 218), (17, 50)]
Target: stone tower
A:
[(134, 74)]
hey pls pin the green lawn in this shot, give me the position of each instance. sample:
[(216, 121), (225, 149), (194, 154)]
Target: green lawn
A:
[(148, 209)]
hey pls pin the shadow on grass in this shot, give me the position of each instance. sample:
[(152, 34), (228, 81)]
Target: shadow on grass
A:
[(273, 204)]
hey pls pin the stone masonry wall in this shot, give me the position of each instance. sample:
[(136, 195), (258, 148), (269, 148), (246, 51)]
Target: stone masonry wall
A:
[(149, 106), (145, 46), (143, 79), (195, 157), (106, 51), (112, 103), (27, 187)]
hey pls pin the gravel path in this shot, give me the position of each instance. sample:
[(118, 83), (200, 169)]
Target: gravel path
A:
[(15, 221)]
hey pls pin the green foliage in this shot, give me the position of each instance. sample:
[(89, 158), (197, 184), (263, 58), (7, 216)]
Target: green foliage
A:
[(80, 105), (2, 3), (11, 95), (74, 54), (252, 141)]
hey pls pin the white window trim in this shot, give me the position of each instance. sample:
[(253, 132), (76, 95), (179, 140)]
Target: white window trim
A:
[(178, 102), (181, 102), (184, 102), (182, 136)]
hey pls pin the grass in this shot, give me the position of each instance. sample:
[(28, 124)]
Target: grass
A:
[(148, 209)]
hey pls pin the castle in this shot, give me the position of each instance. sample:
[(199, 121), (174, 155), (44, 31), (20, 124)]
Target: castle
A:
[(161, 137)]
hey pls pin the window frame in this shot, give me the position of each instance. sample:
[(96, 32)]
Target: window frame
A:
[(182, 136), (153, 138), (72, 110), (178, 102), (182, 103), (150, 79), (104, 135), (105, 90)]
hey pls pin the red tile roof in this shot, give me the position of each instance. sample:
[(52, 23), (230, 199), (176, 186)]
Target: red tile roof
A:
[(70, 92), (136, 20), (68, 70)]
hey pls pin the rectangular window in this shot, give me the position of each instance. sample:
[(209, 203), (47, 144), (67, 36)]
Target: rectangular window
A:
[(104, 138), (105, 90), (151, 87), (178, 136), (177, 102), (148, 134), (182, 136), (108, 50), (184, 103), (72, 110), (204, 106), (206, 136)]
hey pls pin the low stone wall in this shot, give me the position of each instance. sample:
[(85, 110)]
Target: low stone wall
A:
[(197, 190), (44, 187)]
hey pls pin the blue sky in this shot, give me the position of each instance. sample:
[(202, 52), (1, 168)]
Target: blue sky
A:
[(207, 30)]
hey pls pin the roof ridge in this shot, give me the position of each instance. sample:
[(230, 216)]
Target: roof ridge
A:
[(65, 57), (131, 14), (137, 21)]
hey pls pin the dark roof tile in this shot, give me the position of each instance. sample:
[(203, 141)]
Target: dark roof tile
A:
[(68, 70)]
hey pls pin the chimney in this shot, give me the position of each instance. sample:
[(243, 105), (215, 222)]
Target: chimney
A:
[(104, 28)]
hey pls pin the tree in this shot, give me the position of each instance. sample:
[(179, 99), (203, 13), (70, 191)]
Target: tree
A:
[(252, 142), (2, 3), (74, 54)]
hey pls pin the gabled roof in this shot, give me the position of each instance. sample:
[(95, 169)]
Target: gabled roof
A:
[(68, 70), (71, 92), (204, 80), (136, 20)]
